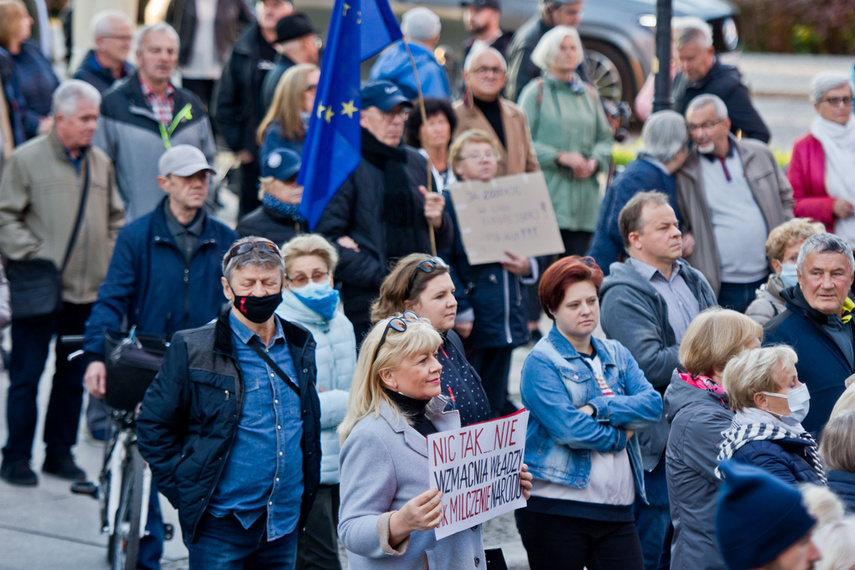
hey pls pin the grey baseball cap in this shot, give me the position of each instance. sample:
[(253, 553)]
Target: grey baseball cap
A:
[(183, 160)]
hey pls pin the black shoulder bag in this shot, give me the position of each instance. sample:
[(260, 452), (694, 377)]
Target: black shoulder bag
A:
[(35, 285), (258, 350)]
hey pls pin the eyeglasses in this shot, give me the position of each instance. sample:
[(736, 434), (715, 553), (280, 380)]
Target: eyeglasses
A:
[(428, 266), (489, 70), (479, 157), (399, 324), (835, 101), (317, 277), (392, 115), (706, 125), (120, 38), (248, 246)]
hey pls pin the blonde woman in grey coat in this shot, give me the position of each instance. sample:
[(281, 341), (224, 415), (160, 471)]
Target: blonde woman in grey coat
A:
[(388, 512)]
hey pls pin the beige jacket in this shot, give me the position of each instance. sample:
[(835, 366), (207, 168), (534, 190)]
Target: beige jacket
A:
[(770, 188), (39, 198), (520, 157)]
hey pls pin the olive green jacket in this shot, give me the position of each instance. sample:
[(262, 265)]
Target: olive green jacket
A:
[(562, 121), (39, 198)]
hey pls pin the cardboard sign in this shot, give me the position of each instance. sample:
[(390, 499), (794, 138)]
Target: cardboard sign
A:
[(477, 468), (511, 213)]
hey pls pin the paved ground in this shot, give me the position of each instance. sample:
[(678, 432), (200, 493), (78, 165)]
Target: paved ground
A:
[(47, 527)]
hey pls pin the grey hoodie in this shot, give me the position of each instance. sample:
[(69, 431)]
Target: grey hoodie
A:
[(697, 418), (635, 314)]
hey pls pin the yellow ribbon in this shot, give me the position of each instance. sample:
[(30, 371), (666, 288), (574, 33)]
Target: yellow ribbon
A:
[(848, 306)]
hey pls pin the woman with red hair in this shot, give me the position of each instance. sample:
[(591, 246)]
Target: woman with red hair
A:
[(586, 396)]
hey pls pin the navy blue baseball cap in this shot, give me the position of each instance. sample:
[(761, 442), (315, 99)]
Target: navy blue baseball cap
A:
[(384, 95), (281, 163)]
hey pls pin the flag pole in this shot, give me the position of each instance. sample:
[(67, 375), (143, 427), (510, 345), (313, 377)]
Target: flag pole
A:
[(424, 122)]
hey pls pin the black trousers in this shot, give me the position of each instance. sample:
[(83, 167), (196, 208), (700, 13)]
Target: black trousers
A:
[(493, 365), (30, 344), (317, 548), (554, 541), (248, 188)]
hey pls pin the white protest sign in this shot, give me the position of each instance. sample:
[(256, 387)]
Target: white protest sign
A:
[(477, 468), (511, 213)]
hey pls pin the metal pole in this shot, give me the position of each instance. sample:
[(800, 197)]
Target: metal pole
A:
[(662, 62)]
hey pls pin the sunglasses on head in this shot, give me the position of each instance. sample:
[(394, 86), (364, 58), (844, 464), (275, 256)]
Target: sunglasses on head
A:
[(399, 324), (428, 266), (248, 246)]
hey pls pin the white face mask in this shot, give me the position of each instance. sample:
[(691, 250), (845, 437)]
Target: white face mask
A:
[(798, 400)]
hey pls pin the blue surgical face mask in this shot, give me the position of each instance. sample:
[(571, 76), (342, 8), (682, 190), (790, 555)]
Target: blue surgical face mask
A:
[(319, 297), (789, 275), (798, 400)]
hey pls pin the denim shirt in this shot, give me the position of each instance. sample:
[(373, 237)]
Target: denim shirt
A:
[(264, 468), (556, 382)]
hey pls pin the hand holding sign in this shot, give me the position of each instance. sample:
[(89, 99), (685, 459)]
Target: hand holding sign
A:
[(422, 512)]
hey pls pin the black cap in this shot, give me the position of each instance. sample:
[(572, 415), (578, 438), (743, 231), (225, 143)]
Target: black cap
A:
[(494, 4), (292, 27)]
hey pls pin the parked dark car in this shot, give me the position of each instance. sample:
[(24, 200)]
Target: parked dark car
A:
[(617, 34)]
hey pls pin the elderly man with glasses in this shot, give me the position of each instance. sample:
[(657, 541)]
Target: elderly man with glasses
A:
[(231, 423), (383, 211), (732, 193)]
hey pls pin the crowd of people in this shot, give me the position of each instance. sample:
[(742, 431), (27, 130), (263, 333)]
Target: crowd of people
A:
[(688, 405)]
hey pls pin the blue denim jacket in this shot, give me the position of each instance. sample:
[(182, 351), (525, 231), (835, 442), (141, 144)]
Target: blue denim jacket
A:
[(556, 382)]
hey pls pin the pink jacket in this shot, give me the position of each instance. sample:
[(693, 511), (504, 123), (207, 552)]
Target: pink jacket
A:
[(806, 173)]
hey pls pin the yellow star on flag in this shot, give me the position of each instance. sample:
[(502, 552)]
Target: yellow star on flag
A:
[(321, 109), (344, 11), (348, 109), (329, 114)]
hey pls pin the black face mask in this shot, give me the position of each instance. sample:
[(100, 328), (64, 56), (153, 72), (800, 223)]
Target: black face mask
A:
[(257, 309)]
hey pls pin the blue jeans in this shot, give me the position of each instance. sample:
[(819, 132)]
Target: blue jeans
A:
[(223, 544), (738, 296), (653, 520), (151, 545)]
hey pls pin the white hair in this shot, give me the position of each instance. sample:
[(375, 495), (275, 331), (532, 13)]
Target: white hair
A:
[(158, 27), (68, 95), (835, 544), (824, 243), (825, 81), (421, 24), (708, 99), (663, 135), (689, 29), (547, 48), (103, 22), (477, 52)]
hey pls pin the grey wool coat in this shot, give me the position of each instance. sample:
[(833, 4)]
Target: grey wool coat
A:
[(384, 464)]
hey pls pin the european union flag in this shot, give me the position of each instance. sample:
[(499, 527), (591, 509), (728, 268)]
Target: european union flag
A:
[(359, 29)]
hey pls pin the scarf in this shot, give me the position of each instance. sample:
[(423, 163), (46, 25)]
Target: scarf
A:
[(838, 145), (280, 207), (706, 384), (399, 208), (414, 411), (757, 430)]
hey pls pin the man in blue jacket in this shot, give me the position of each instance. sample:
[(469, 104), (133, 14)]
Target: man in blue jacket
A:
[(162, 278), (818, 324), (230, 426), (108, 62), (421, 29)]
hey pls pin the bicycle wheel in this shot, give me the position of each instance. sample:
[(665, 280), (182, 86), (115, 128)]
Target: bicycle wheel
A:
[(125, 542)]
